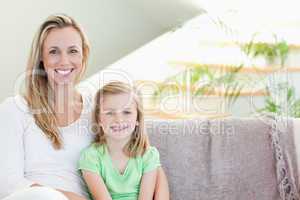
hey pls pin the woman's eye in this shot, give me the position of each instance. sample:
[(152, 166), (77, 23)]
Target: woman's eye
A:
[(54, 51), (109, 113)]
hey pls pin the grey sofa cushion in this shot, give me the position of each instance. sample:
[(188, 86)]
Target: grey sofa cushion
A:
[(221, 159)]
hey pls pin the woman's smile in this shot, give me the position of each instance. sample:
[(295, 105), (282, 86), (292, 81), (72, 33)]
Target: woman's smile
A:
[(64, 72)]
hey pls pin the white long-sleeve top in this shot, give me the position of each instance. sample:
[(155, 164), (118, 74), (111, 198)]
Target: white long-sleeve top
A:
[(27, 155)]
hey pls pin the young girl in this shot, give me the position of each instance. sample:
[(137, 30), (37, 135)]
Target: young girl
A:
[(120, 164)]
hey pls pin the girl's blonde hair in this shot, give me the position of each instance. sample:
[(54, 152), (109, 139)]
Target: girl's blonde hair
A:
[(37, 91), (139, 141)]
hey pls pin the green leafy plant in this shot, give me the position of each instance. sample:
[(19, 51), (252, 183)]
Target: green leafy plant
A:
[(270, 51), (283, 103), (203, 81), (282, 98)]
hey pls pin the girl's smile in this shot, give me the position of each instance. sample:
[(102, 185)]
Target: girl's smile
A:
[(119, 127)]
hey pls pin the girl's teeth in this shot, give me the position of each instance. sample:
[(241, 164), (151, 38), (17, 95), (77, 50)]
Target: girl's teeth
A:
[(119, 128)]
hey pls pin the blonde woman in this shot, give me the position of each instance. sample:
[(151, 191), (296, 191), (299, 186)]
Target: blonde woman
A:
[(44, 130), (120, 164)]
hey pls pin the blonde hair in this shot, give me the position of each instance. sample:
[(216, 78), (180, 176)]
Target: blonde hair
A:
[(37, 87), (139, 141)]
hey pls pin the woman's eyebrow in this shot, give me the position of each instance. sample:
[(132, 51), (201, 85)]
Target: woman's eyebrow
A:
[(108, 109), (73, 46), (53, 47)]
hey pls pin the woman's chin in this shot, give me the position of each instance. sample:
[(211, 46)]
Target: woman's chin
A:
[(62, 82)]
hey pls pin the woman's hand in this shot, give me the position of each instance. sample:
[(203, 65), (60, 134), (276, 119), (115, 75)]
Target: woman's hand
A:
[(36, 185), (71, 195)]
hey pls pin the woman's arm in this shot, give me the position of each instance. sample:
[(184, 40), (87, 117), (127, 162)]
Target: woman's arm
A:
[(11, 149), (71, 195), (96, 185), (148, 185)]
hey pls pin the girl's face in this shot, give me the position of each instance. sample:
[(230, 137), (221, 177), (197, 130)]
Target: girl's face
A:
[(118, 116), (62, 55)]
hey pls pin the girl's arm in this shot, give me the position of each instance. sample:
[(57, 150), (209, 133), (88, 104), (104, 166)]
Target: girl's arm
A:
[(96, 185), (162, 186), (148, 185)]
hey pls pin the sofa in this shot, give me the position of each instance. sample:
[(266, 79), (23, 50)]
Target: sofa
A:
[(227, 159)]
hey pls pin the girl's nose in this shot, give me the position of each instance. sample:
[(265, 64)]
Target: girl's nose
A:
[(118, 117)]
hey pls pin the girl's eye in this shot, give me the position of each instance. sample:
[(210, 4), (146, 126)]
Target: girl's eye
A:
[(109, 113), (73, 51), (127, 112)]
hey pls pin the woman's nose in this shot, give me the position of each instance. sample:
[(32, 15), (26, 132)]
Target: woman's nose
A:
[(64, 59)]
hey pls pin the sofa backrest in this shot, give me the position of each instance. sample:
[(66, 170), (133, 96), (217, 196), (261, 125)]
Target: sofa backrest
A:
[(221, 159)]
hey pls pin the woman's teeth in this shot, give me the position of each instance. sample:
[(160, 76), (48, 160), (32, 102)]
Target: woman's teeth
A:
[(64, 71)]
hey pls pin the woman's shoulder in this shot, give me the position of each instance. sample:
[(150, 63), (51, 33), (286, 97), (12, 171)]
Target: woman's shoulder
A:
[(15, 105), (14, 114)]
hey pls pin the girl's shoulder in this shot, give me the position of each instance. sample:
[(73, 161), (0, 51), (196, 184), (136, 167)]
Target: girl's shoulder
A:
[(150, 159), (150, 152), (94, 149), (90, 158)]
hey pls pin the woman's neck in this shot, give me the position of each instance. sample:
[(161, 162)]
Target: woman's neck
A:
[(67, 104), (65, 97)]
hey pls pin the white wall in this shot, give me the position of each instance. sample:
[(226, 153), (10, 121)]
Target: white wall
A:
[(168, 13), (113, 27)]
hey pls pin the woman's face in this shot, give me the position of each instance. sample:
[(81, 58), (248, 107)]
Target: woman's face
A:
[(62, 56)]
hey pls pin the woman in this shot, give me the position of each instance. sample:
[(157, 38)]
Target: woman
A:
[(44, 130)]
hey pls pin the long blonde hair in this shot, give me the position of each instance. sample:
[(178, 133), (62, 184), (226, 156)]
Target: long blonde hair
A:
[(37, 87), (139, 141)]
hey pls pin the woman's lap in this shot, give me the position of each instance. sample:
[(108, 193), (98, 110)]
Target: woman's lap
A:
[(37, 193)]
